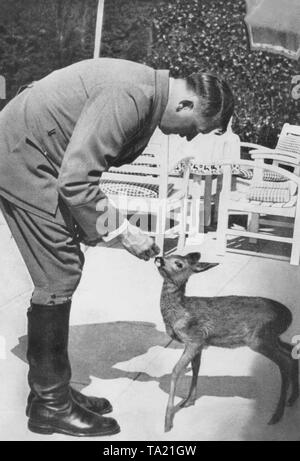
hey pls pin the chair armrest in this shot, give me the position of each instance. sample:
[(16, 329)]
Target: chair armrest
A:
[(286, 158), (252, 145), (264, 150)]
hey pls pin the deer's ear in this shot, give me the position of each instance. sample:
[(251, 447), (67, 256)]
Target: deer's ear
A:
[(201, 267), (193, 258)]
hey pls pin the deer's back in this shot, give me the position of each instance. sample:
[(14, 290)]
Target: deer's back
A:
[(228, 321)]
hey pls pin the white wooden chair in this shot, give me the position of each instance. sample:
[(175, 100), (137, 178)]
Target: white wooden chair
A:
[(286, 152), (262, 197), (144, 189)]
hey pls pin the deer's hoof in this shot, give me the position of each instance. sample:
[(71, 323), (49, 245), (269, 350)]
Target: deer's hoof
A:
[(292, 400), (275, 419), (168, 423), (168, 427)]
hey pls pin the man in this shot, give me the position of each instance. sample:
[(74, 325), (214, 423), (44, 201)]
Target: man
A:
[(56, 139)]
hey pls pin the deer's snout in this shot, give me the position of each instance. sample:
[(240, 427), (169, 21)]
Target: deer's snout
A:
[(159, 261)]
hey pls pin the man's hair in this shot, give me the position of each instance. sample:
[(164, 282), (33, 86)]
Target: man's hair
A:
[(216, 98)]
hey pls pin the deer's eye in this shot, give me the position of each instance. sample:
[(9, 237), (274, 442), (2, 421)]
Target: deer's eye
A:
[(179, 264)]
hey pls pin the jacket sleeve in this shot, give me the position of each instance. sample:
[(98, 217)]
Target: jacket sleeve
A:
[(108, 121)]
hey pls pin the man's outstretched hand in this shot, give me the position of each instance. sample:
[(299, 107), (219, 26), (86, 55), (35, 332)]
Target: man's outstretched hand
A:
[(139, 244)]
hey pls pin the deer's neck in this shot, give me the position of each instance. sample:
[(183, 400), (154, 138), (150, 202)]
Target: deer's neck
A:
[(172, 296)]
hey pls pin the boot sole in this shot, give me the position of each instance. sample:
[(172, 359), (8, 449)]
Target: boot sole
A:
[(105, 411), (48, 430)]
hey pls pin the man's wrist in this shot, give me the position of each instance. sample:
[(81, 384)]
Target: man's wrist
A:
[(130, 229), (117, 232)]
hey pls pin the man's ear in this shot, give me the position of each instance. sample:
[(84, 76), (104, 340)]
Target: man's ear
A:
[(201, 267), (185, 104), (193, 258)]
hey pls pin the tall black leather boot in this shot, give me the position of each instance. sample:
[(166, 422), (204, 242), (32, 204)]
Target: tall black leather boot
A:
[(98, 405), (53, 409)]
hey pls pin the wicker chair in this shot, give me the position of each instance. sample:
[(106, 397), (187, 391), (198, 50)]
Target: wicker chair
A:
[(272, 191), (287, 150), (286, 154)]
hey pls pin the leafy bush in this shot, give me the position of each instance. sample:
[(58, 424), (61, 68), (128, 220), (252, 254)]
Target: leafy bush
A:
[(38, 36), (211, 35)]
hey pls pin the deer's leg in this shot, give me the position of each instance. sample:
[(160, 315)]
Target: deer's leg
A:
[(191, 398), (274, 353), (189, 353), (288, 349)]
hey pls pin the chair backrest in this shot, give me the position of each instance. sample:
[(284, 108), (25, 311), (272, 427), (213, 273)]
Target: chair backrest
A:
[(147, 167), (150, 168), (289, 140), (212, 149)]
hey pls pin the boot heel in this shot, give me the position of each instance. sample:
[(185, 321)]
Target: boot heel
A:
[(39, 429)]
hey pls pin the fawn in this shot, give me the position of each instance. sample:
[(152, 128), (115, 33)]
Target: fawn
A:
[(225, 321)]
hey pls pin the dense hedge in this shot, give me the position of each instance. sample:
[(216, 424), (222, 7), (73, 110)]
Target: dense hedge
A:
[(37, 36), (211, 34)]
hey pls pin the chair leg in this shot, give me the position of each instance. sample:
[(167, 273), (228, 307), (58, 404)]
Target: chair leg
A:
[(195, 218), (222, 225), (196, 222), (183, 225), (161, 226), (222, 233), (217, 199), (295, 255), (207, 201), (253, 225), (159, 240), (223, 211)]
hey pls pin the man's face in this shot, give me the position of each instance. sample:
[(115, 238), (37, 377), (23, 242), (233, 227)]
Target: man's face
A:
[(186, 121)]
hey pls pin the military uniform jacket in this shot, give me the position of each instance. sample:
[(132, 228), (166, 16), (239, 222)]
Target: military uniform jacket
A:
[(59, 135)]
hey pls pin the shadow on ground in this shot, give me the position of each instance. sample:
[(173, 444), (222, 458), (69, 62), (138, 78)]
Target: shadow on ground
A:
[(268, 386), (96, 348)]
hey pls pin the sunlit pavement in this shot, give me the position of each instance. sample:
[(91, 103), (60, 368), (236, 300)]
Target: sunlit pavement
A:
[(119, 348)]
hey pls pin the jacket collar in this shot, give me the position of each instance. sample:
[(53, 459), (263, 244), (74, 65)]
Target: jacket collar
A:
[(138, 144), (161, 95)]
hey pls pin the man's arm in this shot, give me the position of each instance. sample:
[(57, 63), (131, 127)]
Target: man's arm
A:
[(108, 121)]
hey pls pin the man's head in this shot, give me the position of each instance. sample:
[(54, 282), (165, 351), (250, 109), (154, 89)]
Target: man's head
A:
[(200, 103)]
